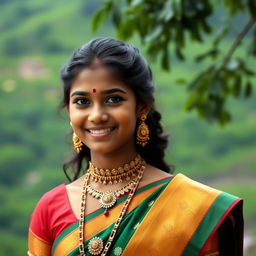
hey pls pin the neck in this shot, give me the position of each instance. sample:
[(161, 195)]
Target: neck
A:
[(112, 160)]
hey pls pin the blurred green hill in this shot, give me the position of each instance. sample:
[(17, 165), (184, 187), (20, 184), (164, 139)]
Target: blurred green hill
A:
[(37, 37)]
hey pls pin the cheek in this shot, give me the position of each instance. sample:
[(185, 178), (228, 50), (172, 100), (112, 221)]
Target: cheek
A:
[(127, 120), (76, 116)]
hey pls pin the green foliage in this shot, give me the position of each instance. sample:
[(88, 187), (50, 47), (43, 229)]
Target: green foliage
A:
[(170, 26), (15, 160), (212, 88), (35, 139)]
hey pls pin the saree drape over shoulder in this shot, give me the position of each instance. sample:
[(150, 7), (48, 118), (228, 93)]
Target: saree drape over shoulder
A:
[(173, 216)]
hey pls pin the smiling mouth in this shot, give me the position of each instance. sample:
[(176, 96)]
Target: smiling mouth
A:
[(100, 132)]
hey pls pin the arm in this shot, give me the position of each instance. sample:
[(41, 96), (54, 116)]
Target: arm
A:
[(39, 242)]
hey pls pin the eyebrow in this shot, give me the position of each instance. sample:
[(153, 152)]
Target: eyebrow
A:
[(109, 91), (113, 90)]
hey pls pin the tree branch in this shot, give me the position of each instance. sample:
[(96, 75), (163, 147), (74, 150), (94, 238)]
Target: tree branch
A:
[(238, 40)]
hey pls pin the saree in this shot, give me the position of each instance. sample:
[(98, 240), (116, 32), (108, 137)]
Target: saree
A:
[(173, 216)]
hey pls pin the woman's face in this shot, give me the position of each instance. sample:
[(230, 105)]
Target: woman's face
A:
[(102, 111)]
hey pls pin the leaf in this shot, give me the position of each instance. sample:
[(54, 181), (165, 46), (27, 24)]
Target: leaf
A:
[(190, 8), (154, 34), (211, 53), (234, 6), (126, 29), (116, 16), (201, 78), (177, 8), (221, 34), (195, 33), (224, 117), (216, 87), (191, 102), (179, 36), (136, 2), (206, 27), (252, 8), (179, 54), (101, 15), (165, 60), (181, 81), (237, 86), (167, 12), (152, 50), (252, 46), (248, 90)]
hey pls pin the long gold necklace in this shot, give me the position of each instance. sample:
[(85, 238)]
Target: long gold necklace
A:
[(96, 245)]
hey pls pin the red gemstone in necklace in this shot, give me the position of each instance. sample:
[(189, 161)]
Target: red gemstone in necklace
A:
[(106, 213)]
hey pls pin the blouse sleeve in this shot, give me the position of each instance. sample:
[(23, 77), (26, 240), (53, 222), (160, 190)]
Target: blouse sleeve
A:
[(212, 247), (223, 242), (39, 240)]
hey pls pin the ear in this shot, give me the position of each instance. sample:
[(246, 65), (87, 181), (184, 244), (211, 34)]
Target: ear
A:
[(67, 108), (143, 109)]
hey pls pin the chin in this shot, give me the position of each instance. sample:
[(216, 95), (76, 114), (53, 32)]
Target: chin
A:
[(100, 149), (105, 149)]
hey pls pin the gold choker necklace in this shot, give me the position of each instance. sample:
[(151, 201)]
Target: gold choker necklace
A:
[(107, 176)]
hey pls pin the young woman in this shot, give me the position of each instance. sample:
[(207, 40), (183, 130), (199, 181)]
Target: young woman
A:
[(122, 199)]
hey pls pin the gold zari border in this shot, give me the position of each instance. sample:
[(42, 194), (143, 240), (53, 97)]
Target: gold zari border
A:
[(171, 222), (37, 246)]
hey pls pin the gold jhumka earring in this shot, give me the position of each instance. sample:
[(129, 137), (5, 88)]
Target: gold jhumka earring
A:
[(78, 144), (143, 131)]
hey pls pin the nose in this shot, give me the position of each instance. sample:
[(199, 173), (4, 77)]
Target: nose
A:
[(97, 115)]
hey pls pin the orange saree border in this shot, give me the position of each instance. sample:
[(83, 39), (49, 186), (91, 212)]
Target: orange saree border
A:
[(37, 246), (97, 224), (176, 223)]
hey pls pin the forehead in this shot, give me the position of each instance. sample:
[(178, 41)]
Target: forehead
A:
[(98, 77)]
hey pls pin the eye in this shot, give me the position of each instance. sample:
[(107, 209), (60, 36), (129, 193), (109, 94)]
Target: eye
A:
[(81, 101), (114, 99)]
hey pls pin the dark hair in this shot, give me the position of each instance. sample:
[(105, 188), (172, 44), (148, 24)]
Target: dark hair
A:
[(132, 69)]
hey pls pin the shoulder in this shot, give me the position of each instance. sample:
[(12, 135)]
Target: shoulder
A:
[(187, 183), (188, 187), (41, 216), (51, 195), (200, 196), (153, 174), (47, 201)]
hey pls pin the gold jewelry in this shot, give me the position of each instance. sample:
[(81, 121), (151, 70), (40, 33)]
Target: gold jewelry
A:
[(108, 199), (82, 215), (95, 245), (107, 176), (78, 144), (142, 132)]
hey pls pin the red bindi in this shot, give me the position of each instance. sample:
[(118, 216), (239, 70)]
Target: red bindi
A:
[(93, 90)]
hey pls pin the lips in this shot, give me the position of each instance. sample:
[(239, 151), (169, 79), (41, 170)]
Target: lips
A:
[(100, 131)]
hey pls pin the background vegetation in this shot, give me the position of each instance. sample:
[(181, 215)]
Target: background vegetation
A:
[(37, 37)]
